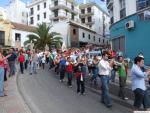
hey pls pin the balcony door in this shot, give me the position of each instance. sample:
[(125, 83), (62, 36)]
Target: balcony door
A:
[(2, 38)]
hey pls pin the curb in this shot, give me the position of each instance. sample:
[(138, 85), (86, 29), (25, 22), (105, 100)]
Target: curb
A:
[(126, 103)]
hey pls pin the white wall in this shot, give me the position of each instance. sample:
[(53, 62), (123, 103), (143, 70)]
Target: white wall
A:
[(23, 36), (62, 28), (40, 12), (130, 8), (91, 40), (15, 12)]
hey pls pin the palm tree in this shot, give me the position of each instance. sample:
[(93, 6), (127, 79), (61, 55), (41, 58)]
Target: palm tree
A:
[(42, 36)]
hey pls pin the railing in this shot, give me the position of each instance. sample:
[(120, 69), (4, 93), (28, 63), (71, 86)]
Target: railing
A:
[(62, 3), (142, 4), (109, 2)]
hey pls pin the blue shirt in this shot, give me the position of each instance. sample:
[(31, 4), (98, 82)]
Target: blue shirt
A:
[(138, 78)]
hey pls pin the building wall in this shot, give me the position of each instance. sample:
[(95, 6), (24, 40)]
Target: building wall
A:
[(6, 27), (130, 8), (40, 12), (17, 12), (74, 36), (62, 28), (23, 38), (136, 40)]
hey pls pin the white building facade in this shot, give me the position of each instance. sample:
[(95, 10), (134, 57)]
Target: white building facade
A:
[(119, 9), (20, 34), (60, 13), (17, 12), (94, 17)]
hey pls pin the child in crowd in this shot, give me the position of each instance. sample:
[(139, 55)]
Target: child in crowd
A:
[(69, 71)]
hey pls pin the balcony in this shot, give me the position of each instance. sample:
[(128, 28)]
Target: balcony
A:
[(142, 4), (110, 3), (62, 5), (90, 22), (88, 13), (58, 16)]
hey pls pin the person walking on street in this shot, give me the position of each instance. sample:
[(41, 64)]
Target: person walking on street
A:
[(104, 70), (26, 60), (95, 70), (62, 65), (43, 60), (34, 60), (79, 76), (2, 66), (21, 60), (122, 77), (11, 61), (138, 85), (69, 71)]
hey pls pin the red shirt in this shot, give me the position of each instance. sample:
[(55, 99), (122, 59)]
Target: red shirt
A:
[(21, 58), (69, 68)]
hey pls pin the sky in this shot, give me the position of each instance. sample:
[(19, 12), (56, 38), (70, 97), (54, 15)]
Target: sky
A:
[(3, 3)]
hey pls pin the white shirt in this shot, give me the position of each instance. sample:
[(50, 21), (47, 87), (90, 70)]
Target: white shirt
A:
[(104, 68)]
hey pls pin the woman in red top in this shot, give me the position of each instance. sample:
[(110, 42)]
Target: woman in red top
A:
[(21, 59), (2, 65)]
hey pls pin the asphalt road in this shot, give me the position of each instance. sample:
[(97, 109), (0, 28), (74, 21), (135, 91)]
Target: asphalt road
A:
[(45, 94)]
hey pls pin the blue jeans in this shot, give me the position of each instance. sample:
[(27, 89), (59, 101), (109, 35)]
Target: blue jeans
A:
[(1, 81), (113, 75), (105, 97), (33, 67)]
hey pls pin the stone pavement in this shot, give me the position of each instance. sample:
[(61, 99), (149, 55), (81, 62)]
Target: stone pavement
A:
[(13, 102)]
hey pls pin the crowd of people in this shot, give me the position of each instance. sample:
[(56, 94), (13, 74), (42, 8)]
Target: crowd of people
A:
[(79, 63)]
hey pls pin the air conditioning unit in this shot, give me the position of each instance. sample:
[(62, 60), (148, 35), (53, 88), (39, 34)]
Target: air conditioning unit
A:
[(129, 25)]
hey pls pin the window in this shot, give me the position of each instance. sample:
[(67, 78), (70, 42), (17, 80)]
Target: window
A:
[(31, 20), (55, 3), (83, 20), (89, 19), (83, 35), (38, 17), (31, 11), (72, 16), (144, 15), (38, 7), (44, 15), (17, 37), (44, 4), (119, 44), (90, 26), (99, 39), (74, 31), (94, 38), (89, 9), (2, 38), (56, 13), (72, 7), (89, 37), (141, 4), (122, 9), (83, 11)]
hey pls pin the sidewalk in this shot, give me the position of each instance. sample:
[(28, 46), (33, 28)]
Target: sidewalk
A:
[(13, 102)]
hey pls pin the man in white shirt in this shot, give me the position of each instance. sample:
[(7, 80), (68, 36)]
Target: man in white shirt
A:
[(104, 71)]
